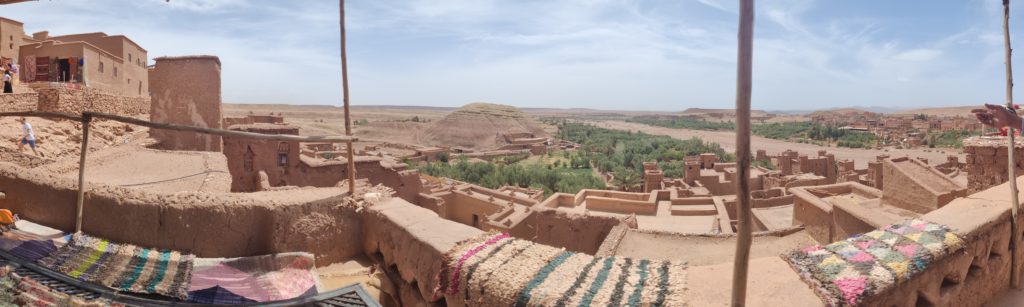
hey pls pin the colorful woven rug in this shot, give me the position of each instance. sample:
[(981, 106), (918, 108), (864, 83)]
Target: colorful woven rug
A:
[(845, 273), (497, 270), (32, 241), (253, 279), (124, 267)]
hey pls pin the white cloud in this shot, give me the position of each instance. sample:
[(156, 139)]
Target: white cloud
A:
[(205, 5), (918, 55), (665, 55)]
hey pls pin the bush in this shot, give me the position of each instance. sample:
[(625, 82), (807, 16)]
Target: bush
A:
[(496, 175), (609, 149), (682, 122)]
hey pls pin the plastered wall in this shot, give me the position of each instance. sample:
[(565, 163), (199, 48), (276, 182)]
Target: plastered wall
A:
[(186, 91)]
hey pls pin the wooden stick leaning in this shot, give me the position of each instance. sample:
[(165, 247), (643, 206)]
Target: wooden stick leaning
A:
[(744, 65), (1011, 152)]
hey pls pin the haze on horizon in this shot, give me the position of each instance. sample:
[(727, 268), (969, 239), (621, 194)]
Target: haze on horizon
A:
[(601, 54)]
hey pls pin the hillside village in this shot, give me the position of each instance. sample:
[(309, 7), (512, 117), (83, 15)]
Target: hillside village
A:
[(150, 190)]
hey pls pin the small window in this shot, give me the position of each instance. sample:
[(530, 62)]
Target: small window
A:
[(129, 80), (101, 66), (282, 159), (115, 71), (129, 57)]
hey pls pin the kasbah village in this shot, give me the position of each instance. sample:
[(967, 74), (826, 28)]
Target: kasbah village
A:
[(126, 180)]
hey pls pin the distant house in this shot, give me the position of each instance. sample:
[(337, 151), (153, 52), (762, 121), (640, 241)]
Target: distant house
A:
[(112, 63)]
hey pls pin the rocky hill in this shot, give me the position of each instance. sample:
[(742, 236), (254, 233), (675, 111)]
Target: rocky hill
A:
[(479, 126)]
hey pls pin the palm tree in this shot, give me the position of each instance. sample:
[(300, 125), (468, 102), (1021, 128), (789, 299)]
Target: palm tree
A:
[(626, 179)]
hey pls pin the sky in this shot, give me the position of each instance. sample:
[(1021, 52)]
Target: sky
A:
[(663, 55)]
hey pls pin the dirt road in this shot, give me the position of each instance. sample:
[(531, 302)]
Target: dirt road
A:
[(728, 141)]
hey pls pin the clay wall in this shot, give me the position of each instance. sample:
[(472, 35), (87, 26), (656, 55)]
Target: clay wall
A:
[(597, 203), (18, 102), (11, 33), (816, 214), (186, 91), (62, 99), (578, 233), (266, 119), (915, 186), (652, 179), (409, 242), (467, 209), (986, 162), (231, 121), (730, 204), (244, 224)]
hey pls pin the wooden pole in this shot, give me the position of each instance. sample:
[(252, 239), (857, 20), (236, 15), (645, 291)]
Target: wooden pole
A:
[(1011, 152), (744, 62), (86, 119), (348, 117)]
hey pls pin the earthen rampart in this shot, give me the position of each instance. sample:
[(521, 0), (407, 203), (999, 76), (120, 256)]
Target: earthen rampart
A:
[(19, 102), (78, 100)]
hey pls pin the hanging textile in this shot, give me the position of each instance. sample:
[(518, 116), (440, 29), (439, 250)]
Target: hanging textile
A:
[(74, 68), (28, 69)]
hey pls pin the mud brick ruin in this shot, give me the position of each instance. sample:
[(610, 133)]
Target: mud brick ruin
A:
[(287, 196)]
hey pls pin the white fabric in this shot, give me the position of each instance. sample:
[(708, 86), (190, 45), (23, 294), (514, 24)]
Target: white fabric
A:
[(27, 130)]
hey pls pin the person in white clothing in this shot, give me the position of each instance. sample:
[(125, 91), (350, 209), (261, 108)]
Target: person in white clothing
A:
[(28, 136)]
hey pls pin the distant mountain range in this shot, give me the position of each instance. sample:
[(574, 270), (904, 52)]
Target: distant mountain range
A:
[(874, 109)]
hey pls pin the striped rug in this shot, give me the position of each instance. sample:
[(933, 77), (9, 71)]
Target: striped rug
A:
[(497, 270), (124, 267)]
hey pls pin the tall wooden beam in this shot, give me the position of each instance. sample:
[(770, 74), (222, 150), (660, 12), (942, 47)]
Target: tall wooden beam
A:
[(744, 61), (1011, 151), (86, 122), (348, 117)]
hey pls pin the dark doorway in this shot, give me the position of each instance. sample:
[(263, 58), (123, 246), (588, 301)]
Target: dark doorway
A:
[(63, 70)]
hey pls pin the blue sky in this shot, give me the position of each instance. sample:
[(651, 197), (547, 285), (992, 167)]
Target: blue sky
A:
[(634, 55)]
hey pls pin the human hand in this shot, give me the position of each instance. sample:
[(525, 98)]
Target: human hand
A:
[(997, 117)]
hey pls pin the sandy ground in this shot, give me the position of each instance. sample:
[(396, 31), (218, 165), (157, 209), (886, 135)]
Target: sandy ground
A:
[(727, 139), (698, 250), (155, 170)]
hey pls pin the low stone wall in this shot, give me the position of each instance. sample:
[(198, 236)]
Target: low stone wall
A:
[(597, 203), (61, 99), (18, 102), (986, 161), (409, 241), (206, 224), (976, 275)]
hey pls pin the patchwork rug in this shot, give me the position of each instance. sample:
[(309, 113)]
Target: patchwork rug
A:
[(32, 241), (253, 279), (845, 273), (124, 267), (497, 270)]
